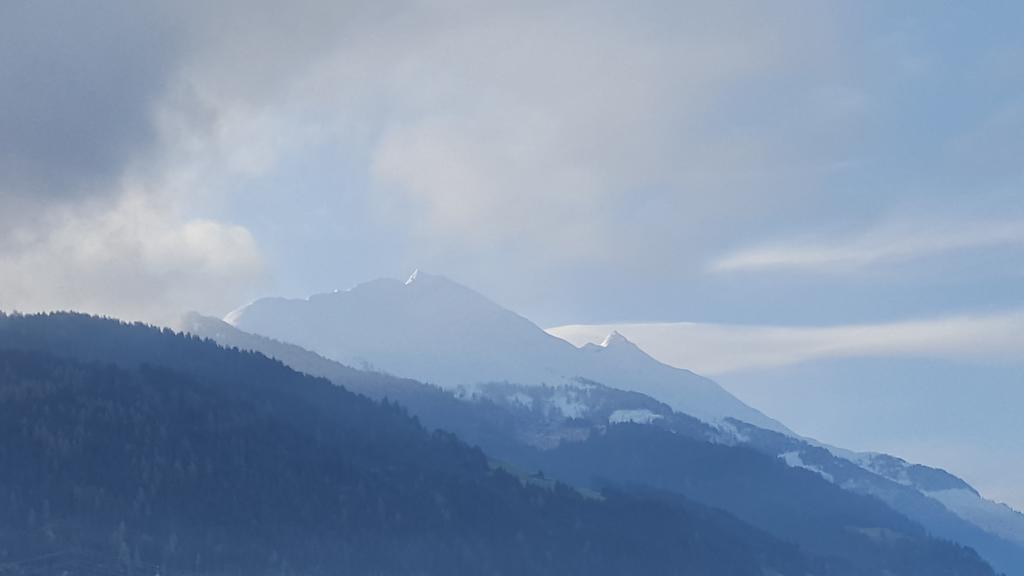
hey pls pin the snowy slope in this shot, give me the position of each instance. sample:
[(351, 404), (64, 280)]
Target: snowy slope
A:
[(954, 493), (945, 504), (437, 331), (991, 516)]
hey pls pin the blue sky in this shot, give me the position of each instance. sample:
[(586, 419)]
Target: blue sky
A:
[(762, 165)]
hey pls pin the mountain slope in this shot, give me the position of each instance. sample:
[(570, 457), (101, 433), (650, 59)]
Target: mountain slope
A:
[(914, 490), (153, 448), (437, 331), (794, 504), (510, 421), (954, 493), (992, 516)]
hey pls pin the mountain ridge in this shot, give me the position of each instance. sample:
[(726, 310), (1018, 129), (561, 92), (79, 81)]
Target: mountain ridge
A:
[(501, 331), (158, 449), (436, 330), (486, 426)]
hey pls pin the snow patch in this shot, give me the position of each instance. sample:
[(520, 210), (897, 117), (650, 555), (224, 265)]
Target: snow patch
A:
[(641, 416), (568, 404), (732, 434), (521, 399), (793, 460), (613, 339)]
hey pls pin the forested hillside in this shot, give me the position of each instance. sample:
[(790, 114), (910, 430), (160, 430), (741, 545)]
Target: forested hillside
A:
[(177, 453)]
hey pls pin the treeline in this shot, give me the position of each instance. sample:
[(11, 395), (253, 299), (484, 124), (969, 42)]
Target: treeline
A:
[(158, 449)]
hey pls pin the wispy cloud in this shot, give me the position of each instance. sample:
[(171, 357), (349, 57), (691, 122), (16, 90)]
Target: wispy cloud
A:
[(721, 348), (892, 244)]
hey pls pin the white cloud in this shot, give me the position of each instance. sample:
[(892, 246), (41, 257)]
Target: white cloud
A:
[(137, 260), (890, 244), (721, 348), (527, 129), (535, 129), (530, 136)]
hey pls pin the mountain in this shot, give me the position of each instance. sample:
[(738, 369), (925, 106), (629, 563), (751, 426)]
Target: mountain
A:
[(501, 417), (437, 331), (792, 503), (991, 516), (566, 432), (954, 493), (916, 491), (125, 448)]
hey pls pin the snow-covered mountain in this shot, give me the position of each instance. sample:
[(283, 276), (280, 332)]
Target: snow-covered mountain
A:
[(435, 330)]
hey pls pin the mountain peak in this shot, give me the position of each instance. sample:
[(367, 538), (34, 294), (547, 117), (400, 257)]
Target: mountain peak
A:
[(616, 339), (436, 330), (421, 278), (622, 347)]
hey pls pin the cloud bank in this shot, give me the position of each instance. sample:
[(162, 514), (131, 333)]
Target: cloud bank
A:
[(128, 260), (527, 148), (718, 348), (479, 136), (904, 242)]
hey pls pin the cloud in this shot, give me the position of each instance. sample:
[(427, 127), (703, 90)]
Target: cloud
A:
[(501, 143), (534, 129), (80, 83), (529, 130), (137, 260), (722, 348), (880, 246), (516, 136), (106, 164)]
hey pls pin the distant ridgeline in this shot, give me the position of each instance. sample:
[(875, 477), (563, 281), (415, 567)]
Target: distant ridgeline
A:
[(145, 450)]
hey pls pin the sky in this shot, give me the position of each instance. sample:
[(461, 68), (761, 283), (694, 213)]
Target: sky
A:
[(837, 186)]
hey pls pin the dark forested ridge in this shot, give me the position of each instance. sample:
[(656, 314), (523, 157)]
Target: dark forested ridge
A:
[(145, 447), (793, 503), (156, 449)]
